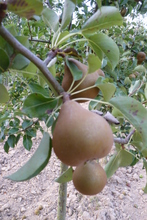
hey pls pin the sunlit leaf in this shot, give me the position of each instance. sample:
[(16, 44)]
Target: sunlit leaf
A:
[(63, 36), (140, 68), (50, 18), (107, 89), (36, 163), (105, 17), (135, 113), (36, 105), (99, 2), (4, 96), (122, 158), (69, 7), (65, 177), (135, 87), (101, 43), (25, 8), (94, 63)]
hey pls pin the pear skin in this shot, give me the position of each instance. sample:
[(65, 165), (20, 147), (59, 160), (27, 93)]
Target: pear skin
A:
[(89, 178), (89, 81), (80, 135)]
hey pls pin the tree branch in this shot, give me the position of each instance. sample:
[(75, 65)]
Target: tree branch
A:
[(19, 48), (40, 41)]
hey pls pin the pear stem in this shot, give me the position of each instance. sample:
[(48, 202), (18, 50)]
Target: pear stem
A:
[(94, 100), (70, 88), (66, 96), (61, 212), (82, 90), (79, 83)]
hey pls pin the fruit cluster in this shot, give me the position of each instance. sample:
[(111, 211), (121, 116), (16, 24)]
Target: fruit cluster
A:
[(88, 82), (79, 137)]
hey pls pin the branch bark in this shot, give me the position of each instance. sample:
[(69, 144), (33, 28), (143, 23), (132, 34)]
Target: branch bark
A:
[(19, 48)]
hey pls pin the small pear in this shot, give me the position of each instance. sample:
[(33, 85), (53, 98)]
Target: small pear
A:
[(89, 178), (89, 81), (140, 57), (80, 135)]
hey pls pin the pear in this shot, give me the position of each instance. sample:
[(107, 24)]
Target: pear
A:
[(89, 178), (140, 57), (89, 81), (80, 135)]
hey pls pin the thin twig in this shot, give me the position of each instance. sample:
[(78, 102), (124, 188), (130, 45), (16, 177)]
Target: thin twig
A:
[(40, 41), (124, 140), (30, 30)]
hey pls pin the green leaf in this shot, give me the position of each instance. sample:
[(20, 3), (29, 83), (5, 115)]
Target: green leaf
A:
[(135, 87), (11, 141), (107, 89), (36, 105), (145, 165), (26, 123), (36, 163), (122, 158), (99, 2), (94, 63), (50, 18), (25, 8), (140, 69), (101, 43), (20, 62), (13, 131), (27, 142), (63, 37), (105, 17), (69, 7), (24, 41), (76, 73), (135, 113), (31, 132), (36, 88), (30, 70), (4, 60), (65, 177), (6, 147), (4, 96)]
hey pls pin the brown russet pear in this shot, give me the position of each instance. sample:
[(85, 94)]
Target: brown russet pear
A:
[(88, 81), (140, 57), (89, 178), (80, 135)]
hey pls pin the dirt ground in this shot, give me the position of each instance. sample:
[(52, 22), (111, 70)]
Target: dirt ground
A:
[(122, 198)]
